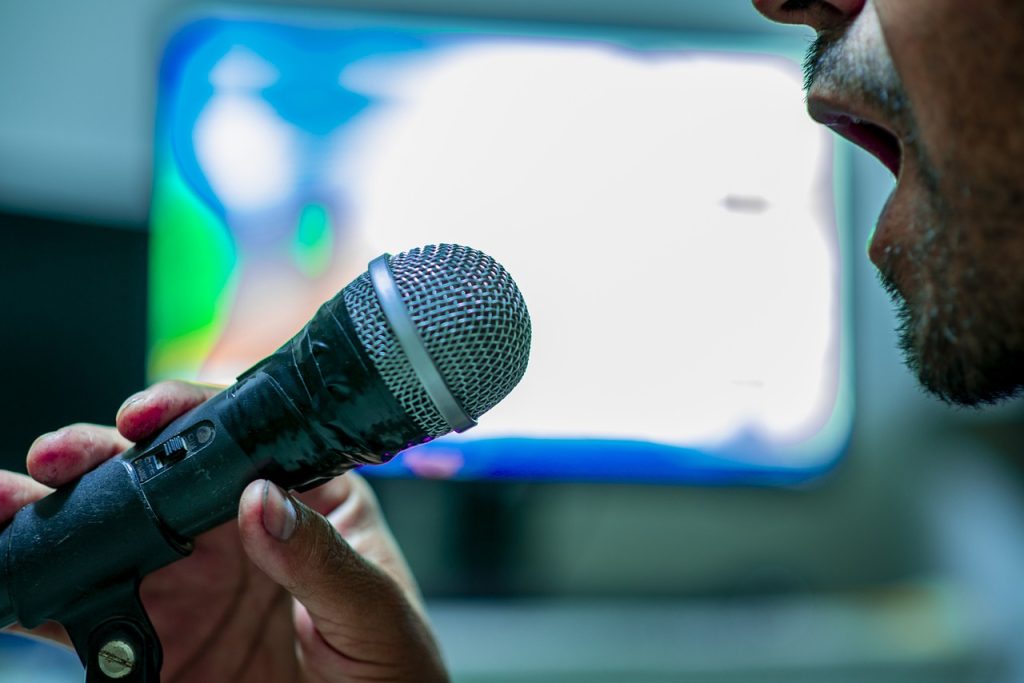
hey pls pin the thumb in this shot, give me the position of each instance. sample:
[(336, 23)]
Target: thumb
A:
[(355, 621)]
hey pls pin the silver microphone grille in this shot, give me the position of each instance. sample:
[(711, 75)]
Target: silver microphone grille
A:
[(471, 317)]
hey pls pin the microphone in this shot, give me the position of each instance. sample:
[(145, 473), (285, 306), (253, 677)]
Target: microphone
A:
[(420, 345)]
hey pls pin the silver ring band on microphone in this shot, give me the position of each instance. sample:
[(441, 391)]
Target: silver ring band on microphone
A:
[(409, 339)]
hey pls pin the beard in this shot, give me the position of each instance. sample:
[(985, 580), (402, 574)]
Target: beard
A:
[(959, 303)]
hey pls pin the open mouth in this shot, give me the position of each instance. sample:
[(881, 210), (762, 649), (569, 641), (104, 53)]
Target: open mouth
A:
[(876, 139)]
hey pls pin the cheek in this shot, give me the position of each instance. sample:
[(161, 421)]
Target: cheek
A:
[(910, 28), (961, 70)]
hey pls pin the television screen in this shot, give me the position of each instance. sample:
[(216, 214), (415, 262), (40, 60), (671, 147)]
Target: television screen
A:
[(662, 200)]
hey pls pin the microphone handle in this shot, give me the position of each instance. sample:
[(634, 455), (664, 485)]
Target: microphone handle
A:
[(313, 410)]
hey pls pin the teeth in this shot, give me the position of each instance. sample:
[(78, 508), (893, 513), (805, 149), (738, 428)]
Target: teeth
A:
[(847, 119)]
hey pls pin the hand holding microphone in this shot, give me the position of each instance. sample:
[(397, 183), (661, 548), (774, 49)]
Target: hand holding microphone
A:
[(244, 603), (424, 343)]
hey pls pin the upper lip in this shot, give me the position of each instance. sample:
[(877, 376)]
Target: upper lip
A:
[(860, 126)]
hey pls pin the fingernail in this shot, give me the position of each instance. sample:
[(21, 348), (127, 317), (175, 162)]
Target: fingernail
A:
[(40, 439), (131, 400), (279, 515)]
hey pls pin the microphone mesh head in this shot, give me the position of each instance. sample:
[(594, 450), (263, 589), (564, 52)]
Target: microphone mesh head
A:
[(471, 317)]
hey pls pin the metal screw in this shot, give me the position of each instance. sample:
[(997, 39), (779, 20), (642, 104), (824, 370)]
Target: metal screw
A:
[(204, 434), (117, 659)]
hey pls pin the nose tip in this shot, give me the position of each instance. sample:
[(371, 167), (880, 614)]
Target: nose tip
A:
[(818, 14)]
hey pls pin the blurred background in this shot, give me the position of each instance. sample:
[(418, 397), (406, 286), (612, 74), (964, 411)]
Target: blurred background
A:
[(717, 468)]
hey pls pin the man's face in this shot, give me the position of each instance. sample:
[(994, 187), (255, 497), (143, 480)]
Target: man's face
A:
[(935, 90)]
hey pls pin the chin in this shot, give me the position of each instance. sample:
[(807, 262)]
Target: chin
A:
[(972, 368)]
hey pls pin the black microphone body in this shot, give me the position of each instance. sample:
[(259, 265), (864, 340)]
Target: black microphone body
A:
[(314, 409)]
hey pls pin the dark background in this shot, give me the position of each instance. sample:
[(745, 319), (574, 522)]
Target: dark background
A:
[(74, 325)]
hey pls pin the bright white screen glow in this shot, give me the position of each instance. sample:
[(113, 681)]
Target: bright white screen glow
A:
[(668, 219)]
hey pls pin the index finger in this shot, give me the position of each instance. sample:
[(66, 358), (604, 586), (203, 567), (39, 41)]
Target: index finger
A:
[(148, 411)]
